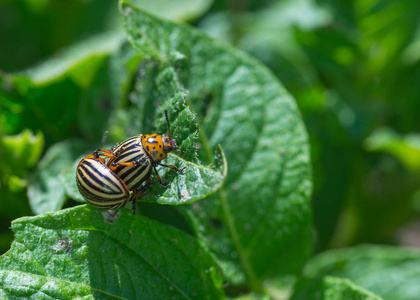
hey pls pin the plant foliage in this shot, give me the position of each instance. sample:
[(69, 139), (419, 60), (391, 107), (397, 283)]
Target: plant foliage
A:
[(264, 199)]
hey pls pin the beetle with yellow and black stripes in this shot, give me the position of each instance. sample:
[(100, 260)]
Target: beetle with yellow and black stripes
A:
[(109, 179)]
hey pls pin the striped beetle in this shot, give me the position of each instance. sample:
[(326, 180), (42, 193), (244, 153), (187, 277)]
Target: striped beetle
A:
[(98, 184), (110, 178), (135, 158)]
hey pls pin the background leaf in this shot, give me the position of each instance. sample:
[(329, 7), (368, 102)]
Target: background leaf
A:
[(404, 148), (390, 272), (329, 288), (242, 107), (61, 259), (48, 97), (18, 153), (46, 192), (176, 11)]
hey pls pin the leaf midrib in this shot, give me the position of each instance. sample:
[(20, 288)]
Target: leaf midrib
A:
[(228, 216)]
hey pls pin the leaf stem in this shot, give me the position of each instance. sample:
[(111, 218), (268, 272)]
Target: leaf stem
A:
[(254, 283)]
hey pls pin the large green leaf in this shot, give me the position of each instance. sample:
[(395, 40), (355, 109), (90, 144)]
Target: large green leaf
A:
[(259, 223), (390, 272), (83, 253), (330, 288), (270, 35)]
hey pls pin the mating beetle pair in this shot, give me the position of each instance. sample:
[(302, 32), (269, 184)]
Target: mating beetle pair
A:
[(109, 179)]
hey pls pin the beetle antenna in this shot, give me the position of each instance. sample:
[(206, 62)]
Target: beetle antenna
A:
[(167, 122), (104, 139)]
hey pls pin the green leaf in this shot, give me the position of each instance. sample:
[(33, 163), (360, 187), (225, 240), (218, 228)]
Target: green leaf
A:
[(330, 288), (46, 191), (197, 181), (67, 177), (181, 10), (80, 62), (269, 35), (81, 252), (404, 148), (18, 153), (33, 98), (390, 272), (55, 177), (259, 223), (46, 27)]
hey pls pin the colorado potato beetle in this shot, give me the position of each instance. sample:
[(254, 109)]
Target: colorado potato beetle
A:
[(98, 184), (135, 158), (109, 179)]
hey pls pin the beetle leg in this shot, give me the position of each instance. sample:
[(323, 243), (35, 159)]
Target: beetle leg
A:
[(106, 153), (128, 164), (115, 146), (140, 192), (128, 199), (119, 151), (172, 167), (164, 184), (136, 163)]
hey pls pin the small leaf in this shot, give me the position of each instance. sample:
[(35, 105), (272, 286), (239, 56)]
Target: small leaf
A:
[(330, 288), (18, 153), (390, 272), (45, 191), (181, 10), (23, 149), (80, 61), (83, 252), (196, 182), (404, 148), (67, 178), (36, 98)]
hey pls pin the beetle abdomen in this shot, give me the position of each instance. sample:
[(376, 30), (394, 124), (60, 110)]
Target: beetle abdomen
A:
[(99, 185), (132, 151)]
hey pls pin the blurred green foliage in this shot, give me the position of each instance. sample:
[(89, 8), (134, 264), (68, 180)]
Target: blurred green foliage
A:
[(352, 66)]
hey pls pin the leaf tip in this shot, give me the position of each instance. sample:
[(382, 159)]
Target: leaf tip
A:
[(125, 7)]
